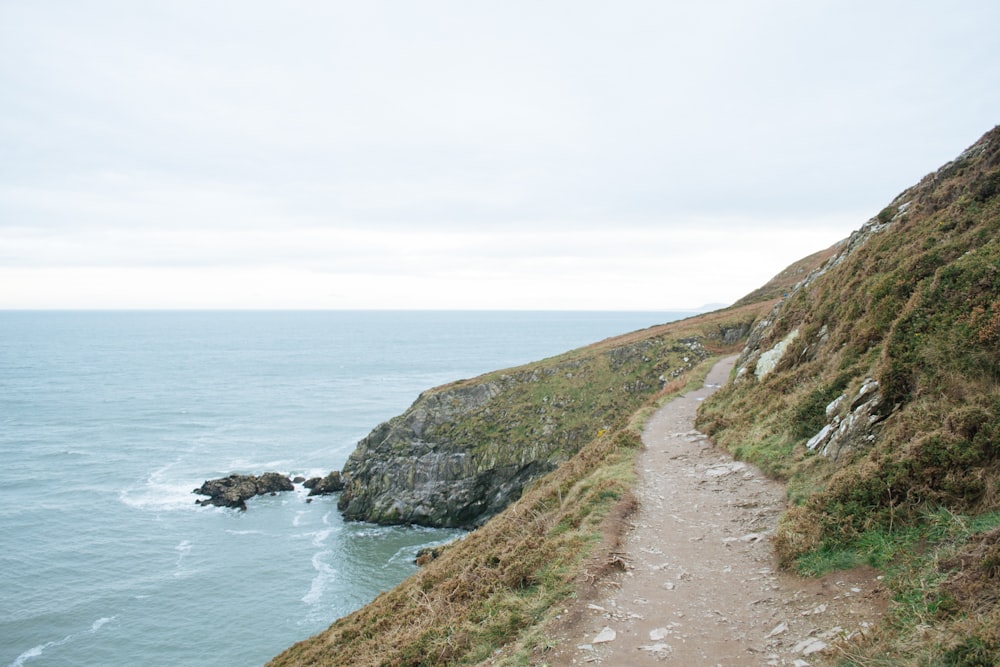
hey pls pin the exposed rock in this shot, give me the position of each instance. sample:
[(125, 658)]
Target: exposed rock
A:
[(332, 483), (733, 334), (854, 429), (779, 629), (439, 489), (768, 360), (604, 636), (810, 645), (298, 479), (397, 474), (235, 490)]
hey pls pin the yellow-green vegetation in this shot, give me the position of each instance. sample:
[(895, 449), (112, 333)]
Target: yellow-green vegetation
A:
[(462, 452), (898, 357), (493, 589)]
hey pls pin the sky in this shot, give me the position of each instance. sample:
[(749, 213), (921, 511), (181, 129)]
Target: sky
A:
[(627, 155)]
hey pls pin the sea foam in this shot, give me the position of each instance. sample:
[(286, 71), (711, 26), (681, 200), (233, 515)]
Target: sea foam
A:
[(324, 574), (36, 651)]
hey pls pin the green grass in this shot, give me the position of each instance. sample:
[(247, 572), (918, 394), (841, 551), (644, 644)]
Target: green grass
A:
[(928, 590), (887, 548)]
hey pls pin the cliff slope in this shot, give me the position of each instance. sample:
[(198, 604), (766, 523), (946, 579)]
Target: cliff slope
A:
[(871, 384), (494, 586), (874, 389), (463, 452)]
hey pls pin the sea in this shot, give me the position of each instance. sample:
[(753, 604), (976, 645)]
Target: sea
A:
[(109, 420)]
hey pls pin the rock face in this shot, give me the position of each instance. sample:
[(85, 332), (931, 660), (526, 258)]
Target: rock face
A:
[(235, 490), (395, 475), (850, 426), (463, 452), (319, 486)]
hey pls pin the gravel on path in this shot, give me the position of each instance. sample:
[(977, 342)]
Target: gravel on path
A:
[(701, 585)]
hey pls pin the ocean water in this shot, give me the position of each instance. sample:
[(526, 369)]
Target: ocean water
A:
[(108, 420)]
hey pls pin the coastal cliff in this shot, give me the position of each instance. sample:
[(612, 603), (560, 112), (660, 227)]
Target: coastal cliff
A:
[(461, 453), (584, 408), (869, 381)]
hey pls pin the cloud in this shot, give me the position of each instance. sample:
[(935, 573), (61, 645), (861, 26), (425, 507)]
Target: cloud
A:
[(403, 144), (313, 267)]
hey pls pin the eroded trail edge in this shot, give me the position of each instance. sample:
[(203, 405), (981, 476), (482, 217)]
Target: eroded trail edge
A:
[(702, 586)]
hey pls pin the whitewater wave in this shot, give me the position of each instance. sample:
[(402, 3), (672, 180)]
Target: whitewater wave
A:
[(324, 574), (36, 651), (159, 493), (182, 549), (319, 536), (257, 467)]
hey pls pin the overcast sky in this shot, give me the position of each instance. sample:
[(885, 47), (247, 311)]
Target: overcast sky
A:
[(414, 154)]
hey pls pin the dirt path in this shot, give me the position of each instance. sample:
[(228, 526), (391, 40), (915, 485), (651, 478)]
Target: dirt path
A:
[(702, 586)]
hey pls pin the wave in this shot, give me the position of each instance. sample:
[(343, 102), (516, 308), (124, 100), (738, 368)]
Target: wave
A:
[(101, 622), (36, 651), (182, 549), (159, 497), (257, 467), (324, 574), (159, 493), (319, 536)]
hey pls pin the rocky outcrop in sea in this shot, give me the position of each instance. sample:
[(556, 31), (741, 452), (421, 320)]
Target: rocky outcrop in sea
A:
[(318, 486), (235, 490)]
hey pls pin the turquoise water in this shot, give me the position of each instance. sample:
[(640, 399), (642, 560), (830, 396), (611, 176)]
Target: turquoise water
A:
[(108, 420)]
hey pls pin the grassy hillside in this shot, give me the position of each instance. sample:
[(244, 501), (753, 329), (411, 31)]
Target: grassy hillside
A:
[(870, 381), (492, 588), (874, 389), (464, 451)]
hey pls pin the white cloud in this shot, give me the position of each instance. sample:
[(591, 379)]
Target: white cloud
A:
[(309, 267), (454, 154)]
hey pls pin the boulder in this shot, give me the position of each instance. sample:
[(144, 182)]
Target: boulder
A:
[(318, 486)]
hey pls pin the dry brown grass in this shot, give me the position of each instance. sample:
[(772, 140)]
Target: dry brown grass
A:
[(493, 586), (499, 584), (487, 587), (915, 307)]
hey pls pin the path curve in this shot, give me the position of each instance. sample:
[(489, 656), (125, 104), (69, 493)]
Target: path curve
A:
[(702, 586)]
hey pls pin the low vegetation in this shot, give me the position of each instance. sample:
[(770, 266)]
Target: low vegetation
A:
[(486, 595), (915, 487), (892, 352)]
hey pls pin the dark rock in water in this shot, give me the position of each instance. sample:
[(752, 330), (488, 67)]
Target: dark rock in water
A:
[(298, 479), (235, 490), (318, 486)]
